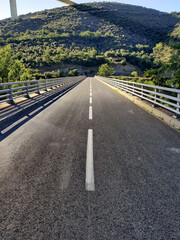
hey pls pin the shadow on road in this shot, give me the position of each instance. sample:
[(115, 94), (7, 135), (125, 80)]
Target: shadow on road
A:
[(13, 125)]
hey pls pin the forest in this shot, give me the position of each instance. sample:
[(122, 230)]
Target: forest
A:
[(90, 35)]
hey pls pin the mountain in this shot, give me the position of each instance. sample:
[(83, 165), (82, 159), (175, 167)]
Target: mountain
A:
[(87, 35)]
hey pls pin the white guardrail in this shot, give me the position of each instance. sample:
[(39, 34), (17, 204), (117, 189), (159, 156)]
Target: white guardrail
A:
[(12, 90), (167, 98)]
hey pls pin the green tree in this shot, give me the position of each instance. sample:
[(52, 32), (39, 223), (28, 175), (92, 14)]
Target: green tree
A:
[(5, 63), (47, 56), (105, 70), (12, 70), (134, 74), (73, 73), (174, 65)]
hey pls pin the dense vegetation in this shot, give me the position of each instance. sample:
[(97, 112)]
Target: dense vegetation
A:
[(93, 34), (10, 69)]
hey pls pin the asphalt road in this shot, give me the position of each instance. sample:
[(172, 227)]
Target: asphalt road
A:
[(134, 172)]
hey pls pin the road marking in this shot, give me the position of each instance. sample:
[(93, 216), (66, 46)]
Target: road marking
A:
[(90, 186), (90, 94), (175, 150), (90, 113), (90, 100)]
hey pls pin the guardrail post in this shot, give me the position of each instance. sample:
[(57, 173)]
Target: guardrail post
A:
[(56, 84), (155, 97), (10, 101), (133, 89), (37, 88), (51, 84), (113, 82), (45, 85), (27, 91), (127, 86), (141, 93), (177, 115)]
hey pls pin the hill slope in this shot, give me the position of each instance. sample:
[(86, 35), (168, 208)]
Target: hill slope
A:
[(88, 35)]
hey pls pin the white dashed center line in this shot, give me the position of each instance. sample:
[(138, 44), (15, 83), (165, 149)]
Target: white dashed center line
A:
[(90, 113), (90, 186)]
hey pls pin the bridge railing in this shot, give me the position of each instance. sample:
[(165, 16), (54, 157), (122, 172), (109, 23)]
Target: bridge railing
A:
[(12, 90), (167, 98)]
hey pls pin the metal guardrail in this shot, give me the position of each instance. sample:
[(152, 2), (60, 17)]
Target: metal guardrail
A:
[(12, 90), (167, 98)]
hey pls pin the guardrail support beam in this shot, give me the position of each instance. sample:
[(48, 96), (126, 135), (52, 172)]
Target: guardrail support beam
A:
[(27, 91), (10, 101), (176, 115), (141, 93), (38, 92), (155, 98)]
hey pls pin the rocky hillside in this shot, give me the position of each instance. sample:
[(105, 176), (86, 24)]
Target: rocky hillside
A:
[(89, 35)]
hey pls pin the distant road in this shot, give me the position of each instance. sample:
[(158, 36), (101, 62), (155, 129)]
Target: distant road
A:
[(91, 166)]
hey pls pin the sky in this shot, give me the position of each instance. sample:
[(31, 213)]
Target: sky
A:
[(26, 6)]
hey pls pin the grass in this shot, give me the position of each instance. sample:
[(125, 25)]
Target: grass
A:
[(161, 118)]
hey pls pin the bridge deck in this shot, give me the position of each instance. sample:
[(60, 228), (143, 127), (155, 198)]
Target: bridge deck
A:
[(136, 171)]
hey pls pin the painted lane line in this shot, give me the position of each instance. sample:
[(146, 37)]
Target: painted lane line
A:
[(90, 100), (90, 185), (90, 94), (90, 113)]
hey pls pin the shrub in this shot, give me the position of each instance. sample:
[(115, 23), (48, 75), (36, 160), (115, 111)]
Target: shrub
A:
[(73, 73), (105, 70), (134, 74)]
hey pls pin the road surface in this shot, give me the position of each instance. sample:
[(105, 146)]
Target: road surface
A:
[(91, 166)]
